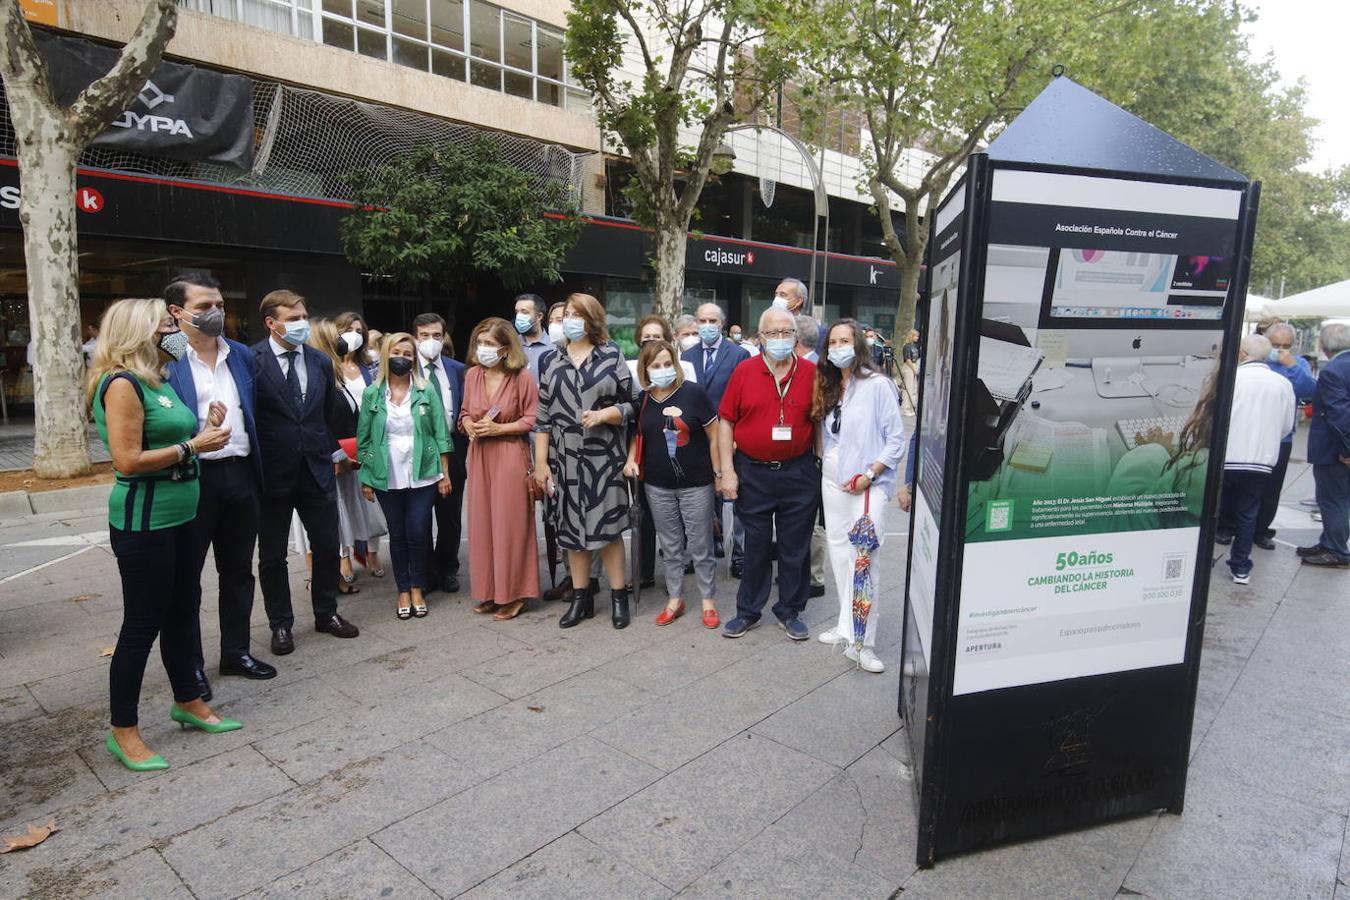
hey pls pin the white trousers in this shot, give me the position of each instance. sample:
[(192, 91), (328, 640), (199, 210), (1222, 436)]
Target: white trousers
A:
[(842, 510)]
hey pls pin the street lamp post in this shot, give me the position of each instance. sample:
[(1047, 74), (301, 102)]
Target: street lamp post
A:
[(726, 156)]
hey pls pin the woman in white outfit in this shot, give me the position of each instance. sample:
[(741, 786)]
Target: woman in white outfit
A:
[(862, 443)]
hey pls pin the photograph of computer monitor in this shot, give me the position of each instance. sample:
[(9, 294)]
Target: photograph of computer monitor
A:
[(1129, 289)]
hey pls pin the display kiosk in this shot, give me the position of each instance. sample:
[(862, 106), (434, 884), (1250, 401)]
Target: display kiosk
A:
[(1080, 329)]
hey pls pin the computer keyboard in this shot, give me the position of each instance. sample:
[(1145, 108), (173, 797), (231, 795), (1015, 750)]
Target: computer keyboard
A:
[(1133, 431)]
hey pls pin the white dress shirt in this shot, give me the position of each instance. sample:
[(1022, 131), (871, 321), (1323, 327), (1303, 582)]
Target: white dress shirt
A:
[(443, 379), (301, 369), (398, 432), (218, 384)]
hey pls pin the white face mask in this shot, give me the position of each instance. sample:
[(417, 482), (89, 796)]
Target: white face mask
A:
[(429, 349), (780, 303), (373, 355), (353, 340), (488, 355), (555, 333), (688, 341)]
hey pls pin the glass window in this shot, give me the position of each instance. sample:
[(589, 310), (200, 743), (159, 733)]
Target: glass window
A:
[(519, 43), (371, 12), (579, 101), (337, 34), (550, 93), (550, 54), (338, 7), (371, 43), (410, 18), (408, 53), (485, 75), (485, 37), (447, 23), (519, 85), (447, 65)]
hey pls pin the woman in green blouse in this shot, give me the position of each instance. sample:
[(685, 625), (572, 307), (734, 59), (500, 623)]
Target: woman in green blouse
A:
[(153, 440)]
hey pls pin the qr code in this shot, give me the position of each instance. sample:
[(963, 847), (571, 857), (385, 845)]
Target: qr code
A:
[(1173, 567), (999, 517)]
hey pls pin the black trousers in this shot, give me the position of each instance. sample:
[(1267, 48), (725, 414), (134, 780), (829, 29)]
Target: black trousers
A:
[(784, 499), (227, 522), (443, 558), (317, 509), (647, 538), (159, 577), (1270, 496)]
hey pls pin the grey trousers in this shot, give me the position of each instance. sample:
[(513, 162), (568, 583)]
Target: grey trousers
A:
[(684, 519)]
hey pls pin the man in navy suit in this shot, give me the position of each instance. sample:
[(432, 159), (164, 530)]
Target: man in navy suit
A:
[(215, 377), (714, 358), (448, 376), (294, 387), (1329, 451)]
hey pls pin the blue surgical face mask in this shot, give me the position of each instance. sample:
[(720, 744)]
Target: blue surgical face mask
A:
[(524, 323), (779, 349), (661, 378), (1273, 355), (709, 332), (574, 329), (297, 332), (842, 356)]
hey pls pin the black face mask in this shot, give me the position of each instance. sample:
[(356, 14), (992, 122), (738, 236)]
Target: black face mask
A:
[(400, 365)]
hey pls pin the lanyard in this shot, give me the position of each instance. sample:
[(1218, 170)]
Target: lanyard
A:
[(782, 389)]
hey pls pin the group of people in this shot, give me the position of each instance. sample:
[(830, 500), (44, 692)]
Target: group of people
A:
[(362, 436)]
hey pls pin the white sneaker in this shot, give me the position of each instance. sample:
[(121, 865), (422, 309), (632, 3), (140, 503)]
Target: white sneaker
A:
[(1243, 579), (867, 660), (831, 637)]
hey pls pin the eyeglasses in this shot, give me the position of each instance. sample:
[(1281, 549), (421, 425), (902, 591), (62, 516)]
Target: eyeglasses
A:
[(791, 332)]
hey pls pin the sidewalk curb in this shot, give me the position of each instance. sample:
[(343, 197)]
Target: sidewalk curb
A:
[(18, 504)]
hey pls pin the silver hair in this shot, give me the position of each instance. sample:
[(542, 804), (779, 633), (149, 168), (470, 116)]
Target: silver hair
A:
[(808, 331), (774, 311), (1281, 327), (682, 322), (721, 313), (797, 285), (1254, 347), (1334, 338)]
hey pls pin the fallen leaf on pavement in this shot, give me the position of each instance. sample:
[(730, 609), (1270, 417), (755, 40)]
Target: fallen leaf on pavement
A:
[(35, 835), (535, 708), (106, 651), (80, 598)]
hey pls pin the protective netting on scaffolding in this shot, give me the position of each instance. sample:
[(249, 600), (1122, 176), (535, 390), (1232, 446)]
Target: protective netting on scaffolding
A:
[(306, 142)]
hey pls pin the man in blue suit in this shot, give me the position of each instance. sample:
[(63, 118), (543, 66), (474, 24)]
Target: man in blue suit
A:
[(294, 387), (1329, 451), (714, 358), (215, 378), (448, 376)]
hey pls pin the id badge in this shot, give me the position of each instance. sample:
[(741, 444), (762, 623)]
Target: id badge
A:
[(782, 432)]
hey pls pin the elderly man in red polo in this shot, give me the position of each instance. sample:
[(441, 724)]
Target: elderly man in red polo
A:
[(772, 473)]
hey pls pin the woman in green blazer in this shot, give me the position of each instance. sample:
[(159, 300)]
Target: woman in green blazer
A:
[(403, 446)]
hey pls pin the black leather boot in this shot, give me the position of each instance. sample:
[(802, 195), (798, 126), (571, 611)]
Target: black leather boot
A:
[(583, 607), (620, 600)]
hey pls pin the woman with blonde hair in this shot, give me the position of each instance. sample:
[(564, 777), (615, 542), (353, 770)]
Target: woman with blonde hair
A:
[(584, 397), (150, 436), (403, 446), (501, 400)]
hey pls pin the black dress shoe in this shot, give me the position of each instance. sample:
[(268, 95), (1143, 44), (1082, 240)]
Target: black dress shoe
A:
[(1264, 543), (1327, 560), (337, 627), (248, 667), (817, 590), (1223, 539), (203, 686), (621, 614), (583, 607), (1313, 550), (735, 570), (282, 641), (450, 584), (648, 582)]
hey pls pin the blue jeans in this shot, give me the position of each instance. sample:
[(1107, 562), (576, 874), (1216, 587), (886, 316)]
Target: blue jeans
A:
[(407, 511), (1333, 499), (1245, 490)]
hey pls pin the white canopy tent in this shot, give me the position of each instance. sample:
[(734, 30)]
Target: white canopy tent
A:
[(1255, 309), (1328, 301)]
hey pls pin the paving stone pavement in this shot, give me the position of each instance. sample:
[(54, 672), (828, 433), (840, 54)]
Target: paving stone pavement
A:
[(453, 756)]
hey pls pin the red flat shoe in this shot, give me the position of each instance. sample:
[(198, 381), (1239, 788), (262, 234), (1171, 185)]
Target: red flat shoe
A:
[(711, 619), (669, 615)]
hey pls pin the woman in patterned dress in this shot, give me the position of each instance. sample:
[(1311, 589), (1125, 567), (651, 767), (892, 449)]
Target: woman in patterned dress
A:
[(579, 451)]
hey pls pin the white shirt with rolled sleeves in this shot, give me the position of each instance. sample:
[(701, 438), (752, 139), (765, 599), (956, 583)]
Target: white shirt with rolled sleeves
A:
[(218, 384)]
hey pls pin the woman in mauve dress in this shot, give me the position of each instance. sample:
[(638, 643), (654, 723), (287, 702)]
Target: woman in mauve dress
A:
[(501, 399)]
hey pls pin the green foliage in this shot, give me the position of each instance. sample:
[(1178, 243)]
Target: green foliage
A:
[(442, 212)]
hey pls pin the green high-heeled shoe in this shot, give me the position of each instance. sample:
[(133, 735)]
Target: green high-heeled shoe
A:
[(185, 718), (153, 764)]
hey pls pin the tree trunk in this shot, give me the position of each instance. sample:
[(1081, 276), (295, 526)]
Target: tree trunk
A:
[(47, 211), (911, 267), (668, 266)]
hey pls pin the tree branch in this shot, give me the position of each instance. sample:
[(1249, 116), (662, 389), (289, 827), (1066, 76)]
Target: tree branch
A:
[(105, 98), (22, 67)]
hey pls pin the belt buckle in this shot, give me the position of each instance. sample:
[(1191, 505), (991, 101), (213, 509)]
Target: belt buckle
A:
[(774, 464)]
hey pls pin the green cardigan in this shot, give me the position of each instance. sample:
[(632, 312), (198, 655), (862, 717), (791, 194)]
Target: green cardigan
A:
[(431, 437)]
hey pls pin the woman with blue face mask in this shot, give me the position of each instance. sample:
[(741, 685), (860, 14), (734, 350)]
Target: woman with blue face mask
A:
[(862, 441), (674, 453), (579, 448)]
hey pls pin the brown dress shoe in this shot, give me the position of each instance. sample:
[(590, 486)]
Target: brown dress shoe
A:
[(282, 641), (337, 627)]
